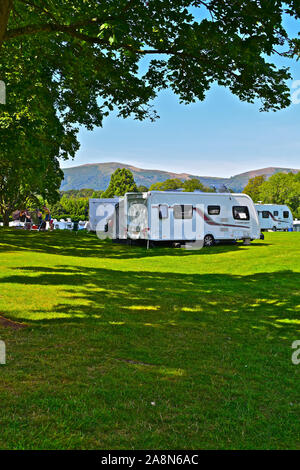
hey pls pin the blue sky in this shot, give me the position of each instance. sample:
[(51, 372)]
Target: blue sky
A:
[(218, 137)]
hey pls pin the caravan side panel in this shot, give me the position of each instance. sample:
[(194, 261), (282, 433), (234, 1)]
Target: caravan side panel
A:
[(100, 211), (274, 216)]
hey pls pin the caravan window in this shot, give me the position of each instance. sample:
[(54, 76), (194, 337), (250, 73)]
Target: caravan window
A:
[(214, 210), (240, 213), (163, 211), (265, 214), (183, 211), (276, 213), (286, 214)]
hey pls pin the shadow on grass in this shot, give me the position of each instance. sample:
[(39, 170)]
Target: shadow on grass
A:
[(88, 245), (264, 303)]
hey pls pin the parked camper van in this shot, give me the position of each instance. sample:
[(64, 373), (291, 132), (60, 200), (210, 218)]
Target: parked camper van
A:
[(274, 217), (159, 216), (100, 211)]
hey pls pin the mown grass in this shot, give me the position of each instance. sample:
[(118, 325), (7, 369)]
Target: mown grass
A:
[(161, 349)]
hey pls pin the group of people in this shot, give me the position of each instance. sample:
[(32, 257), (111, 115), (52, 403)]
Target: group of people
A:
[(34, 219)]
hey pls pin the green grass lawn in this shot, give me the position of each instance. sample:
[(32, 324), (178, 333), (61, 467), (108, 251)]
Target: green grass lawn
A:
[(161, 349)]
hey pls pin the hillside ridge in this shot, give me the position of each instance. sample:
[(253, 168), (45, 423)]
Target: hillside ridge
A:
[(97, 176)]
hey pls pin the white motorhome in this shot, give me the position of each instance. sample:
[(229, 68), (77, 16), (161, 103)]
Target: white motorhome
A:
[(175, 216), (100, 210), (274, 217)]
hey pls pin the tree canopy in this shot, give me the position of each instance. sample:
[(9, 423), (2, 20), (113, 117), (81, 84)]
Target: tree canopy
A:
[(121, 182), (253, 187), (167, 185), (194, 184), (189, 185), (94, 50)]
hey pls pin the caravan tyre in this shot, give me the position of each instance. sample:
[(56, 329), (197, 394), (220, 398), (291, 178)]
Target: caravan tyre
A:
[(209, 240), (274, 229)]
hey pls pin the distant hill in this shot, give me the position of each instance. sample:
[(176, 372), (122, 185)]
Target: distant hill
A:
[(97, 176)]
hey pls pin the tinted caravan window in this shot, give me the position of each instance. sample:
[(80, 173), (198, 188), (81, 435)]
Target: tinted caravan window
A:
[(183, 211), (163, 211), (214, 210), (276, 213), (265, 214), (241, 213), (286, 214)]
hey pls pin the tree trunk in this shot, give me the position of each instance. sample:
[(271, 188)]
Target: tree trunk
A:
[(5, 9), (6, 219)]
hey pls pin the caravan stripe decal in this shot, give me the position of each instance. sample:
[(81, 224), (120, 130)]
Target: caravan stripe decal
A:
[(209, 221), (277, 220)]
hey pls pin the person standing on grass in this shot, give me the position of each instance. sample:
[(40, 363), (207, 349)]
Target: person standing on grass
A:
[(46, 213), (42, 224), (22, 216), (46, 217), (27, 220)]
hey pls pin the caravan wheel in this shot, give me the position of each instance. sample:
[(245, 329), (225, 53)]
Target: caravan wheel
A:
[(209, 240), (274, 229)]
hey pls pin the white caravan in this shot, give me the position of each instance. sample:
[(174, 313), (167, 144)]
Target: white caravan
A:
[(296, 227), (100, 210), (161, 216), (274, 217)]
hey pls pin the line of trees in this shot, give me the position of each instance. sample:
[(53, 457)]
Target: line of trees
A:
[(76, 208), (281, 188), (73, 204), (84, 192), (189, 185)]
